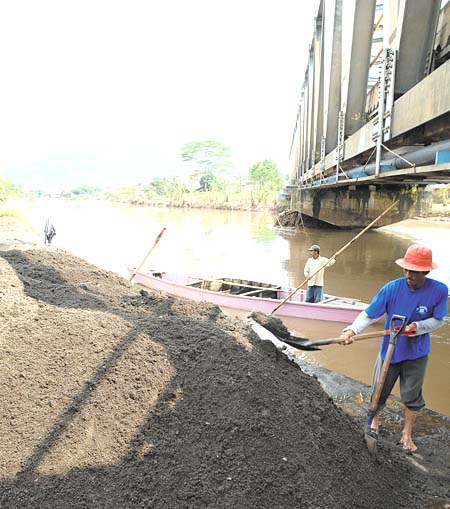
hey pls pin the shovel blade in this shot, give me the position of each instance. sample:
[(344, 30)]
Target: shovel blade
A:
[(371, 441), (300, 344)]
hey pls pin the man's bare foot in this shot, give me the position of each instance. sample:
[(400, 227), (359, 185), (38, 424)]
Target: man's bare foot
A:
[(407, 444)]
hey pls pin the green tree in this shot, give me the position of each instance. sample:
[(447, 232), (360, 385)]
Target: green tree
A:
[(265, 174), (6, 190), (207, 181), (160, 186), (210, 159)]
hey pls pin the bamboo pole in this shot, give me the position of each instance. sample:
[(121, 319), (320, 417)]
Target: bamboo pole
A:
[(135, 271), (336, 254)]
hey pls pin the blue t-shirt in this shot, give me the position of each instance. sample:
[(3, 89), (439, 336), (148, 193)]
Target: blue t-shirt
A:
[(397, 298)]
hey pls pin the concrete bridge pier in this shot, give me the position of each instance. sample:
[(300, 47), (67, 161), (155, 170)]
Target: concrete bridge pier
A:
[(357, 206)]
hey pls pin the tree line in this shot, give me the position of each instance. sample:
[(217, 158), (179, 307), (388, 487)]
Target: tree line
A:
[(207, 178)]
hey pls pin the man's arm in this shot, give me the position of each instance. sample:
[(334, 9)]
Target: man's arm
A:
[(375, 309), (440, 311), (427, 325), (363, 320), (330, 261)]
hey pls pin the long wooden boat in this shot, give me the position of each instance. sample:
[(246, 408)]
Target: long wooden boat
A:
[(250, 296)]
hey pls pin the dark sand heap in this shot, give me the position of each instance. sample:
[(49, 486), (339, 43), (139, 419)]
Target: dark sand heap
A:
[(114, 397), (272, 324)]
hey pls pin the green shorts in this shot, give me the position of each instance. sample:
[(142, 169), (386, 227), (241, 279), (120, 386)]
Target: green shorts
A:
[(411, 374)]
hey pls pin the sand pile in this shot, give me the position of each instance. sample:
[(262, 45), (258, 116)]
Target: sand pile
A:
[(115, 397)]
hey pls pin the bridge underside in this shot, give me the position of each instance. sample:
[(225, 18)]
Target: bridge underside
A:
[(356, 207)]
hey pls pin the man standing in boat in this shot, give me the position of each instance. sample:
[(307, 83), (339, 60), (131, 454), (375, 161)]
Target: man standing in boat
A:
[(423, 301), (314, 275)]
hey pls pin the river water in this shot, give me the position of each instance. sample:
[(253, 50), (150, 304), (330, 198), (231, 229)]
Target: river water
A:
[(244, 244)]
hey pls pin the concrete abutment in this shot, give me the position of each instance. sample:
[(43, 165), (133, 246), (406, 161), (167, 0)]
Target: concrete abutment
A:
[(358, 206)]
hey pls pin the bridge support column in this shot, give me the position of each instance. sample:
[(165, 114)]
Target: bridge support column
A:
[(358, 206)]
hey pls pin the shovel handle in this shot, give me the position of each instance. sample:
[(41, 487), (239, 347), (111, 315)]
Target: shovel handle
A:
[(394, 334), (356, 337)]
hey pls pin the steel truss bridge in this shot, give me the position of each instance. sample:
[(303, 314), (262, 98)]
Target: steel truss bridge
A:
[(375, 102)]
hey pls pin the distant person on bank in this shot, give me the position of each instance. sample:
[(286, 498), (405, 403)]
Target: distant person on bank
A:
[(424, 303), (49, 231), (314, 275)]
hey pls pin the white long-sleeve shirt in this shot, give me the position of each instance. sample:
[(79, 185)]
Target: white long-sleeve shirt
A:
[(313, 265), (363, 320)]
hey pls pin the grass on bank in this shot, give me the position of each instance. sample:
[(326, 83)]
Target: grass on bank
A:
[(9, 212), (256, 199), (11, 216)]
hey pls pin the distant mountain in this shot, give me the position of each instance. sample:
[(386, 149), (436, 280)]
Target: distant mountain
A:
[(57, 177)]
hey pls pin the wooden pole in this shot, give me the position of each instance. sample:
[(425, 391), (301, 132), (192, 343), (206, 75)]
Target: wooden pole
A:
[(148, 253), (336, 254)]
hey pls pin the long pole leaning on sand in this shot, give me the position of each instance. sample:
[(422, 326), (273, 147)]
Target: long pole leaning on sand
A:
[(335, 255), (136, 270)]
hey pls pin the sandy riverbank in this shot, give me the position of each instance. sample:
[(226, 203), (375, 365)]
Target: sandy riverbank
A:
[(113, 397)]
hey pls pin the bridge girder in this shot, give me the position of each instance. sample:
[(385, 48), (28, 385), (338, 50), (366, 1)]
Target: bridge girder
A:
[(335, 87)]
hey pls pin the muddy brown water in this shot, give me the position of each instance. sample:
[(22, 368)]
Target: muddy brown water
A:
[(244, 244)]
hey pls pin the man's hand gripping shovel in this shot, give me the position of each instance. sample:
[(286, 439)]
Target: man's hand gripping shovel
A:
[(370, 434)]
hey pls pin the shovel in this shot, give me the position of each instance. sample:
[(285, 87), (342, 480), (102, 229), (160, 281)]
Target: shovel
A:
[(306, 344), (371, 436)]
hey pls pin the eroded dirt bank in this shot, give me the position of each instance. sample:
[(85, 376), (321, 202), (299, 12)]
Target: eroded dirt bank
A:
[(113, 398), (116, 398)]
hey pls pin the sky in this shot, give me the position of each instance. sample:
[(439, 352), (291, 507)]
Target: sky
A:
[(106, 92)]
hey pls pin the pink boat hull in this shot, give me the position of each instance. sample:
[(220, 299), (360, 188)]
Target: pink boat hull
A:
[(335, 309)]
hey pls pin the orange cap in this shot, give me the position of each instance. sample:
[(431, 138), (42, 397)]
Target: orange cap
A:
[(418, 258)]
